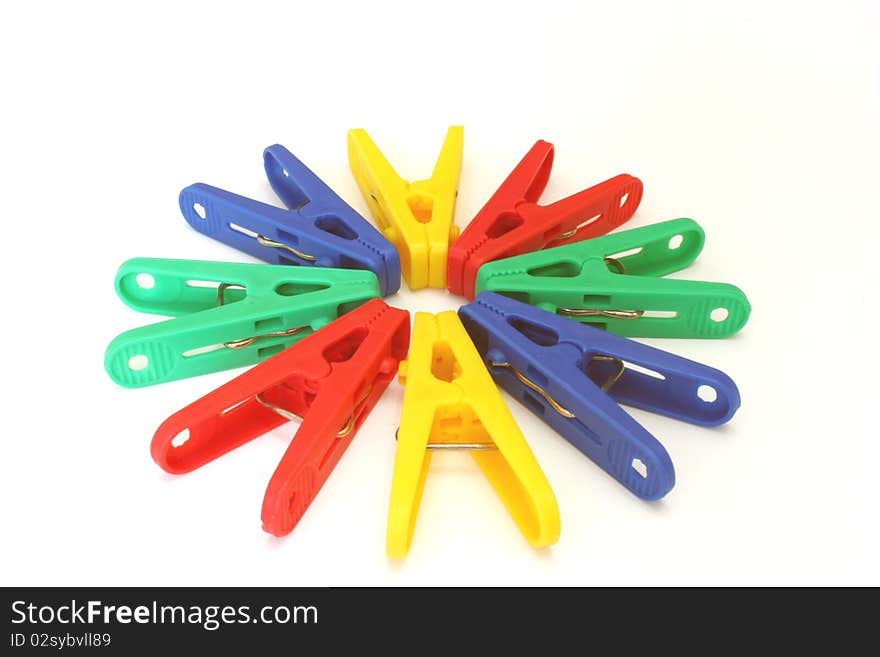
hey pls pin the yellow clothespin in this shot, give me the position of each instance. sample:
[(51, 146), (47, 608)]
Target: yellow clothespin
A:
[(451, 402), (415, 217)]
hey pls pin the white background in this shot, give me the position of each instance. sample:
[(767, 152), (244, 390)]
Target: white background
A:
[(757, 119)]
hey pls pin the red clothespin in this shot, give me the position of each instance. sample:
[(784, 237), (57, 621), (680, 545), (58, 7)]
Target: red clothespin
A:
[(330, 379), (512, 222)]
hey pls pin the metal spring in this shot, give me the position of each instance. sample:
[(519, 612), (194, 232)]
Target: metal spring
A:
[(555, 405), (526, 381), (283, 412), (592, 312), (265, 241), (455, 446), (245, 342)]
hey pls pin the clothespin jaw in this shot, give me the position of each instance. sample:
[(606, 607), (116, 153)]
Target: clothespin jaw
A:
[(512, 222), (225, 314), (573, 376), (319, 228), (451, 402), (331, 380), (415, 217), (612, 282)]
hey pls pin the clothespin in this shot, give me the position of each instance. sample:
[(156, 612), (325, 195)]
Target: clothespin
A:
[(450, 402), (512, 222), (225, 314), (330, 380), (319, 228), (574, 376), (612, 282), (415, 217)]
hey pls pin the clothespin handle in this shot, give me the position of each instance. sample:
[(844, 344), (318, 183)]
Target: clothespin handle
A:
[(247, 225), (330, 381), (217, 423), (165, 286), (301, 471), (585, 214), (512, 222), (435, 199), (417, 218), (361, 353), (318, 229), (192, 343), (573, 376), (658, 381), (498, 217), (294, 183), (376, 179), (630, 372), (612, 282), (642, 304), (225, 314), (594, 211), (528, 179), (358, 244), (450, 398), (654, 250), (539, 358), (445, 176), (589, 419)]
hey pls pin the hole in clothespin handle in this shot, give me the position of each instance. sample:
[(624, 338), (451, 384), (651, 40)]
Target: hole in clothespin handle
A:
[(503, 224), (707, 393), (639, 466), (719, 314), (138, 362), (421, 206), (145, 281), (180, 438)]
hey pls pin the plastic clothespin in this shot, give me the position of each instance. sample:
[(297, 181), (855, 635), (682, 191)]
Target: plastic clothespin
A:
[(612, 282), (225, 314), (330, 380), (574, 376), (319, 229), (450, 402), (512, 222), (416, 217)]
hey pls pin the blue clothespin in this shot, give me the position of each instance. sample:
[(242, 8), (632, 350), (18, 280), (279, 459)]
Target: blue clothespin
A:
[(573, 376), (319, 229)]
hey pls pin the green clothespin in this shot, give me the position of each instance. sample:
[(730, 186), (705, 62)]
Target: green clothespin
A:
[(612, 282), (225, 314)]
